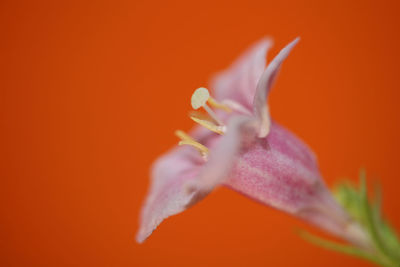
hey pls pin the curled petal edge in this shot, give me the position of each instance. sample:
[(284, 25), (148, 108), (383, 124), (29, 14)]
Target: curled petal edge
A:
[(260, 108)]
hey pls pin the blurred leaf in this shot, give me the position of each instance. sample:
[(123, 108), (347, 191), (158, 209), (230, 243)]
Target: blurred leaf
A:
[(369, 215), (345, 249)]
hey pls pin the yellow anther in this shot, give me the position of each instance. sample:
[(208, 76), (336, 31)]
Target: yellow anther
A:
[(209, 124), (188, 140), (200, 115), (210, 120), (215, 104), (183, 136), (201, 148)]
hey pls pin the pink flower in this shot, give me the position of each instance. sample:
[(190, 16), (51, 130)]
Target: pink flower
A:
[(239, 146)]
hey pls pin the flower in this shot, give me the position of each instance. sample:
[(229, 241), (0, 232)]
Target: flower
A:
[(239, 146)]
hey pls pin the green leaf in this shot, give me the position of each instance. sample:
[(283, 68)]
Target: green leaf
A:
[(368, 214), (345, 249), (372, 223)]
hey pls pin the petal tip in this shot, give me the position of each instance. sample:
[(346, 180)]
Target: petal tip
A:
[(143, 233), (285, 51), (293, 43), (140, 239), (140, 236), (266, 42)]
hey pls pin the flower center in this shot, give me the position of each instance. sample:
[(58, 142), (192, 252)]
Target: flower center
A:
[(201, 99)]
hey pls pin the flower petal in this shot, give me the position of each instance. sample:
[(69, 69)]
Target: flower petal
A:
[(264, 84), (279, 171), (239, 81), (167, 194), (282, 172), (241, 130)]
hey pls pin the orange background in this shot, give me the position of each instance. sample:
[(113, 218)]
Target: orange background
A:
[(91, 93)]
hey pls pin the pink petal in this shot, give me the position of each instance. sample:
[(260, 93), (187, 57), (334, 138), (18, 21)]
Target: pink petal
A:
[(180, 178), (240, 131), (268, 77), (239, 82), (279, 171), (282, 172), (167, 195)]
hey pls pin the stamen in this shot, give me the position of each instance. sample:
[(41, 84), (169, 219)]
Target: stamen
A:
[(188, 140), (210, 121), (215, 104), (200, 98), (200, 115), (201, 148), (212, 114), (183, 136), (209, 124)]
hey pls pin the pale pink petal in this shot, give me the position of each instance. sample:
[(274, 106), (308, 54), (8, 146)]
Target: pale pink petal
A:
[(325, 213), (282, 172), (240, 80), (236, 107), (167, 194), (241, 131), (264, 85)]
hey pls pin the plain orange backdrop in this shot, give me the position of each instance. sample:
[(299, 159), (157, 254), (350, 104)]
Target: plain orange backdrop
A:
[(92, 91)]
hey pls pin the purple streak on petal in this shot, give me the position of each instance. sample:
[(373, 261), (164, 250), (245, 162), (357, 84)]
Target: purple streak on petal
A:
[(167, 195), (264, 85), (240, 80)]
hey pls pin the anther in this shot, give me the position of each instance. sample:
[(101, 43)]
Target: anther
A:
[(201, 148), (187, 140), (183, 136), (209, 124), (215, 104)]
